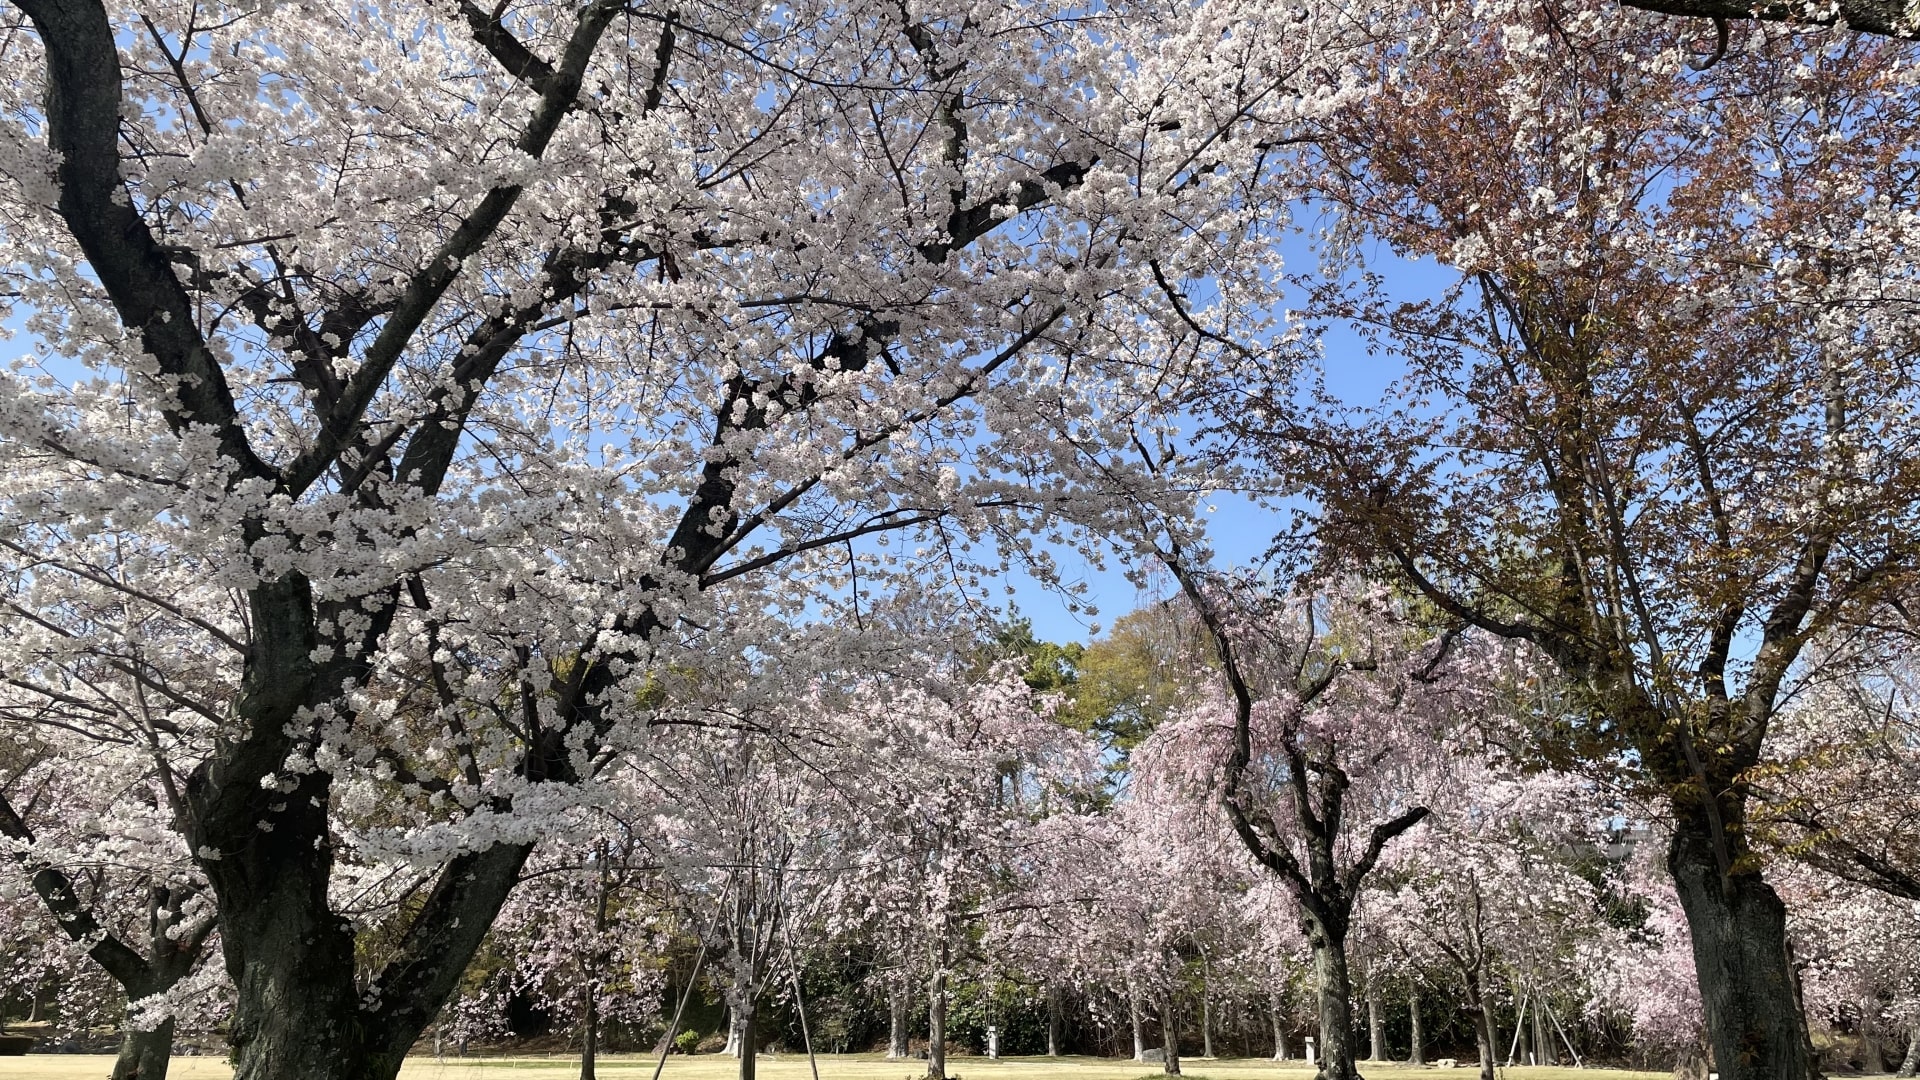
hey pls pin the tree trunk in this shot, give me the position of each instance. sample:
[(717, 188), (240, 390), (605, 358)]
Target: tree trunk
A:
[(1488, 1028), (1485, 1028), (1055, 1010), (296, 1010), (1911, 1066), (590, 1037), (1419, 1053), (596, 959), (1542, 1038), (1376, 1020), (1521, 1052), (1206, 1007), (1336, 1000), (1169, 1035), (1873, 1057), (1139, 1024), (1754, 1020), (1279, 1027), (937, 1019), (898, 1005), (301, 1007), (749, 1056), (144, 1054), (732, 1049)]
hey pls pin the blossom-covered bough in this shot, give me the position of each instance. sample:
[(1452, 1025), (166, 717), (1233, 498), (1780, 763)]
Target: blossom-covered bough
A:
[(438, 387)]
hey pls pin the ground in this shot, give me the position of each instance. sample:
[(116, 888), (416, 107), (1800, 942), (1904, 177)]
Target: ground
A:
[(790, 1067)]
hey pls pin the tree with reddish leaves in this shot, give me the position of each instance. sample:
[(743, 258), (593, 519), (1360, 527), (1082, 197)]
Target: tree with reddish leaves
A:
[(1660, 426)]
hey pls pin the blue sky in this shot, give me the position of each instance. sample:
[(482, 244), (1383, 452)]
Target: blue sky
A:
[(1241, 531)]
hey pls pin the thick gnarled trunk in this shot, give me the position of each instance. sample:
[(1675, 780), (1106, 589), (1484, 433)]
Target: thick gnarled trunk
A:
[(1911, 1065), (144, 1054), (1754, 1020), (1335, 986), (300, 1008), (297, 1011)]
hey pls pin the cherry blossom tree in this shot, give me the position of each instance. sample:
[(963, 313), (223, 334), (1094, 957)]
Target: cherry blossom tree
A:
[(490, 367), (1490, 889), (890, 800), (580, 939), (1314, 751), (988, 766), (1859, 968), (1073, 913), (1180, 877), (1659, 427), (1648, 976), (82, 828), (1840, 783)]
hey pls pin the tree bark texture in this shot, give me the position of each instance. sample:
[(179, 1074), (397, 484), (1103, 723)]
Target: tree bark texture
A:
[(937, 1019), (1418, 1055), (1055, 1011), (1754, 1020), (1376, 1020), (1170, 1033), (1139, 1025), (897, 1008), (1277, 1012), (1911, 1065), (144, 1054), (1335, 985), (1485, 1026)]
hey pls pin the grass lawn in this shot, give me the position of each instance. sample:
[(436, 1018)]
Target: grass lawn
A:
[(794, 1067)]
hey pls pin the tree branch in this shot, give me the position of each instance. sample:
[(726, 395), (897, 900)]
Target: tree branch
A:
[(1882, 17), (56, 890)]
